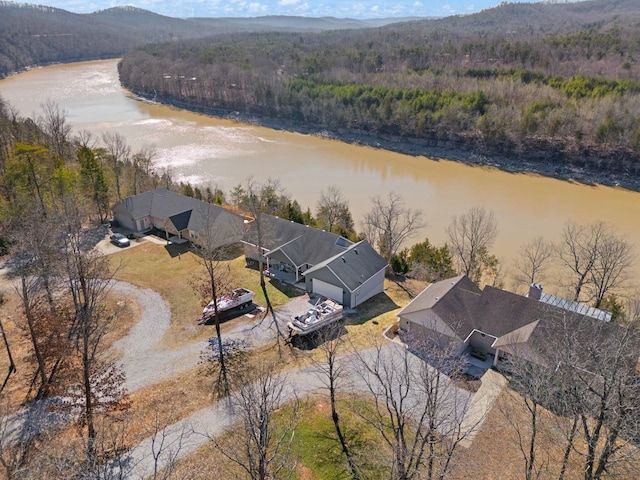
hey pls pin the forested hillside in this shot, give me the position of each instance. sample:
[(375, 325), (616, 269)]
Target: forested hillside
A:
[(39, 35), (550, 83)]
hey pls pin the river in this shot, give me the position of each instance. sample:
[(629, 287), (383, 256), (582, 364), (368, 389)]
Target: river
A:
[(219, 152)]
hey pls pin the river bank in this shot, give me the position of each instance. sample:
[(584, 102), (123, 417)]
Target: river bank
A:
[(544, 165)]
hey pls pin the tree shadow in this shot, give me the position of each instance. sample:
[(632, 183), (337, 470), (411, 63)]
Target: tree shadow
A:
[(315, 339), (401, 281), (290, 291), (370, 309), (225, 253), (175, 250)]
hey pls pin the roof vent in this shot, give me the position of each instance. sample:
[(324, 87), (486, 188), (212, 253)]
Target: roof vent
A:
[(343, 259), (356, 251)]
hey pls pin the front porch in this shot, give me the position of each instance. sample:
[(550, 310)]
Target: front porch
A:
[(479, 361), (285, 274)]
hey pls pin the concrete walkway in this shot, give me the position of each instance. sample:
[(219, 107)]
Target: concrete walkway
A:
[(492, 385)]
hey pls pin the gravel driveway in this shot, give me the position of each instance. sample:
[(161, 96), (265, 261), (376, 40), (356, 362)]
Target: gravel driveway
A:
[(144, 364)]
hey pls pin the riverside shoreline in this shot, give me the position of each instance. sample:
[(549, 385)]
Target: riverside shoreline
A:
[(548, 168)]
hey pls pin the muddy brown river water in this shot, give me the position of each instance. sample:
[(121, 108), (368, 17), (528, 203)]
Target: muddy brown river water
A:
[(219, 152)]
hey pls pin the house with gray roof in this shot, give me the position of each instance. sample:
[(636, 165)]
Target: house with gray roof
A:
[(326, 263), (489, 324), (350, 277), (179, 217)]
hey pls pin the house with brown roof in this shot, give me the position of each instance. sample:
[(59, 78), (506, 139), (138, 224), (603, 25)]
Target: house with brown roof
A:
[(322, 262), (489, 324)]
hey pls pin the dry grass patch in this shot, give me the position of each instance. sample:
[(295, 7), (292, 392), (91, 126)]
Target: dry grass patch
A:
[(151, 266), (375, 315), (176, 398), (496, 450), (126, 313)]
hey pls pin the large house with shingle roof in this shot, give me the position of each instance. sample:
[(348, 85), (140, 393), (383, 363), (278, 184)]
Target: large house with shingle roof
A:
[(179, 217), (328, 264), (489, 324)]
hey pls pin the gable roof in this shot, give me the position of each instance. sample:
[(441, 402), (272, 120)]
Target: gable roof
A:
[(354, 266), (500, 312), (454, 300), (299, 243), (181, 220), (184, 212), (511, 318)]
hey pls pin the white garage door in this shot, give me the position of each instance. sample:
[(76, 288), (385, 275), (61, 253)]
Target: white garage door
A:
[(328, 290)]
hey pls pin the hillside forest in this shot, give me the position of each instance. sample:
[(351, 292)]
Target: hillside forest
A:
[(68, 409), (65, 411), (552, 88), (33, 35)]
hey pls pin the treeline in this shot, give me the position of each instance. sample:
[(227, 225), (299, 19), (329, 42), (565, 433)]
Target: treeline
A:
[(565, 93), (38, 35), (42, 166)]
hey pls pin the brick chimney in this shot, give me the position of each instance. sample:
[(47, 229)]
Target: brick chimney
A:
[(535, 291)]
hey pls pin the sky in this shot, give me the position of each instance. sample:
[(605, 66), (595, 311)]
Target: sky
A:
[(307, 8)]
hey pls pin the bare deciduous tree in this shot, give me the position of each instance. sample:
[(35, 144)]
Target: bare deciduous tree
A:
[(166, 445), (523, 405), (585, 371), (333, 210), (471, 235), (612, 267), (141, 165), (212, 251), (54, 123), (100, 380), (533, 260), (417, 409), (597, 259), (332, 373), (389, 223), (119, 153), (259, 199), (12, 366), (259, 447)]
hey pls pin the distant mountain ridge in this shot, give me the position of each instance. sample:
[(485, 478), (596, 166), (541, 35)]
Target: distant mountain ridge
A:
[(554, 86), (39, 35)]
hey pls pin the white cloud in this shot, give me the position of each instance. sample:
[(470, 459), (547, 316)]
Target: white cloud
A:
[(317, 8), (447, 10), (257, 8)]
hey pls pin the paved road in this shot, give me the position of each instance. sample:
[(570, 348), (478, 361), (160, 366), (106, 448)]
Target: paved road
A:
[(144, 364), (187, 435)]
